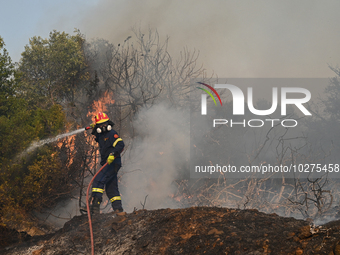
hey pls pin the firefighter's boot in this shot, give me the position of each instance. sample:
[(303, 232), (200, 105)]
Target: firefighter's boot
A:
[(95, 206)]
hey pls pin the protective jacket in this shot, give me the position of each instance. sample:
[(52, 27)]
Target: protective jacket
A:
[(110, 142)]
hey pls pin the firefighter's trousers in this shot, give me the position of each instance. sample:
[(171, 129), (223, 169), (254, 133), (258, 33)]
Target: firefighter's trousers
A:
[(107, 180)]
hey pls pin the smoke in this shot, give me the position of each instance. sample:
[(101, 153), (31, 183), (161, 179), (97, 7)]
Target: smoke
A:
[(62, 212), (235, 38), (156, 157)]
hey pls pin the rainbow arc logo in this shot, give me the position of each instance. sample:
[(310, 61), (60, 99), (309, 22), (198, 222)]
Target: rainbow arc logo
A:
[(204, 97), (209, 93)]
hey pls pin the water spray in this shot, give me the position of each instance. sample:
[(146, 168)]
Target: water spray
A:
[(37, 144)]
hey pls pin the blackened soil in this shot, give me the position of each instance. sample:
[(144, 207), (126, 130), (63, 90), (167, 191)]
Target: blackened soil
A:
[(196, 230)]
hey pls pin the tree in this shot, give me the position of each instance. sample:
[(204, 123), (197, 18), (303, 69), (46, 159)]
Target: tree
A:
[(19, 126), (10, 105), (21, 121), (141, 72), (53, 67), (6, 70)]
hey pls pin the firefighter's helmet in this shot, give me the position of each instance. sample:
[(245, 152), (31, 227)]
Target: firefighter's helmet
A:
[(101, 118)]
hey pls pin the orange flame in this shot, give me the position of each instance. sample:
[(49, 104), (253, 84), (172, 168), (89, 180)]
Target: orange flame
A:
[(69, 144), (98, 106), (101, 104)]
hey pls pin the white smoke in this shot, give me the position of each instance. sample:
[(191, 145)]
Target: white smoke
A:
[(155, 158), (236, 38)]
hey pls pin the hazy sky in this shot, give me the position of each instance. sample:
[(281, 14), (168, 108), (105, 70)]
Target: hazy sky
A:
[(246, 38)]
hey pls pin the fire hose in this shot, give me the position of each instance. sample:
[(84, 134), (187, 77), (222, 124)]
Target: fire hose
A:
[(88, 208)]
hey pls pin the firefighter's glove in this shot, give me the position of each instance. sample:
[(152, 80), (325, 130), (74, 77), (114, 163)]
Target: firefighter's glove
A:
[(110, 159), (92, 125)]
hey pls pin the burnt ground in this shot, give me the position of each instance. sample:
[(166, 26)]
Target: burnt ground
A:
[(196, 230)]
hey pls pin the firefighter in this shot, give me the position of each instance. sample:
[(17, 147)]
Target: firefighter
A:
[(110, 147)]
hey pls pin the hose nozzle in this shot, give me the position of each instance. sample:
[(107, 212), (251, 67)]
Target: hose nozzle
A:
[(87, 128)]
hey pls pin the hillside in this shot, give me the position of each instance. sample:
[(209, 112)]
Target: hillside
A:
[(196, 230)]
